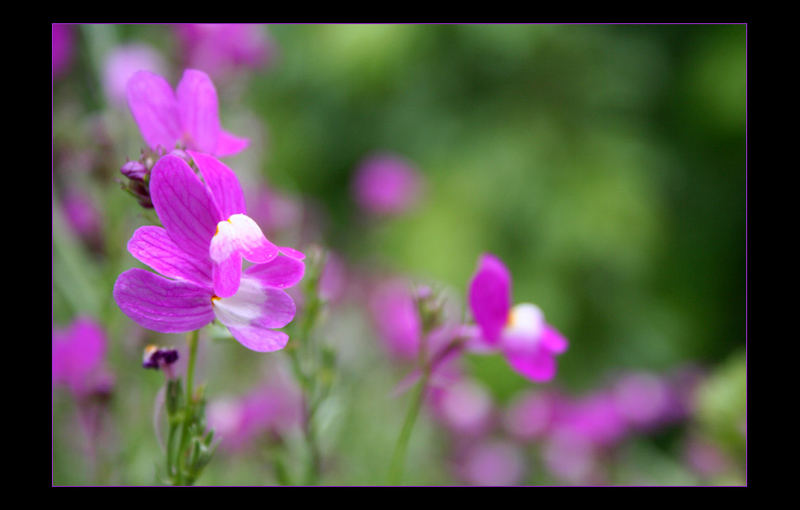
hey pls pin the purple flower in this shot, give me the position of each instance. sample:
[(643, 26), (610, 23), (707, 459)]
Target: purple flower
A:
[(464, 407), (189, 116), (271, 408), (220, 49), (596, 419), (520, 333), (492, 463), (705, 458), (534, 414), (571, 458), (62, 48), (199, 253), (386, 184), (644, 400), (397, 319), (82, 215), (122, 63), (78, 354)]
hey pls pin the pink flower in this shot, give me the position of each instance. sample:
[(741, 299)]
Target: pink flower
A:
[(534, 414), (386, 184), (220, 49), (62, 48), (595, 418), (397, 319), (492, 463), (189, 116), (520, 333), (78, 354), (199, 253), (465, 407), (122, 63), (644, 400), (82, 215), (271, 408)]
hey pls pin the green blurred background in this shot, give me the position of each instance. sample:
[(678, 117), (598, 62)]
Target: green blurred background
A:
[(604, 164)]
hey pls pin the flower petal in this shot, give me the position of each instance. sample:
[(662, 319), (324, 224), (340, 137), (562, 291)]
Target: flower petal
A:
[(184, 205), (490, 297), (255, 305), (291, 252), (199, 110), (155, 109), (228, 144), (553, 340), (222, 182), (259, 339), (281, 272), (153, 246), (538, 365), (160, 304), (227, 275)]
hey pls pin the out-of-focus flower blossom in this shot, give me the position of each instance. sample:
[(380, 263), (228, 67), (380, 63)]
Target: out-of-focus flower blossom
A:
[(570, 457), (464, 407), (333, 280), (78, 354), (187, 297), (188, 117), (529, 344), (220, 49), (642, 399), (534, 414), (396, 316), (274, 211), (385, 184), (272, 408), (122, 63), (705, 458), (492, 463), (82, 216), (62, 48), (595, 418)]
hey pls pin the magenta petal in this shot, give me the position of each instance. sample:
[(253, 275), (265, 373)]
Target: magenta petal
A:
[(538, 365), (199, 111), (223, 184), (155, 109), (490, 297), (281, 272), (184, 205), (227, 275), (160, 304), (553, 340), (228, 144), (153, 246), (77, 353), (291, 252), (254, 246), (259, 339)]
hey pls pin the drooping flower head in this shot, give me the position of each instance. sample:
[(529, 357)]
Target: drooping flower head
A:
[(199, 252), (520, 332), (78, 355), (122, 63), (386, 184), (188, 117), (219, 49)]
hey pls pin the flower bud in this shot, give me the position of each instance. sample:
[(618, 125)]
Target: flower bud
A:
[(134, 170), (158, 358)]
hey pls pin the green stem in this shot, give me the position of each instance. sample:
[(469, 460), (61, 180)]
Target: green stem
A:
[(190, 369), (398, 458), (188, 411)]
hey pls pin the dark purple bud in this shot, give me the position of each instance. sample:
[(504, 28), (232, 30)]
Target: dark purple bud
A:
[(134, 170), (157, 358)]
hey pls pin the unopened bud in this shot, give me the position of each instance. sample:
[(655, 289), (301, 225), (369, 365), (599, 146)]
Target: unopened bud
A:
[(134, 170), (158, 358)]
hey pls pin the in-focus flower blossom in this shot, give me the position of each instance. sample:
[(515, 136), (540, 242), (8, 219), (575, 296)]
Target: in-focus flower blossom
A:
[(529, 344), (188, 117), (271, 409), (78, 359), (219, 49), (62, 48), (385, 184), (199, 252), (492, 463), (122, 63)]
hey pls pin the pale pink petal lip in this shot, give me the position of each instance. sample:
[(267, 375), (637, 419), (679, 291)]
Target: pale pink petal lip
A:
[(252, 243), (490, 297), (553, 340), (229, 145), (160, 304), (223, 184), (155, 109), (259, 339), (184, 205), (153, 246), (199, 110), (538, 365)]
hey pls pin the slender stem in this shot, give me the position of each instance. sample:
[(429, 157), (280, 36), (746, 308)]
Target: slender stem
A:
[(398, 458), (192, 336)]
